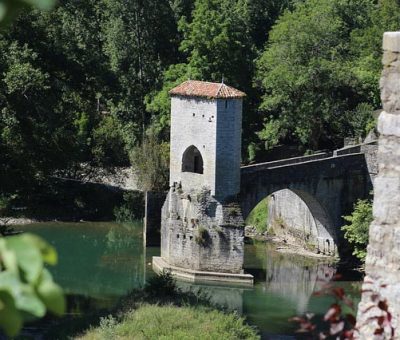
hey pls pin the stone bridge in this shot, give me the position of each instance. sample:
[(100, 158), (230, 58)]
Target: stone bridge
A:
[(328, 184)]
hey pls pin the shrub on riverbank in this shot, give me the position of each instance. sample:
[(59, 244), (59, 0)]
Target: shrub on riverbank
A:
[(155, 322), (163, 310), (258, 216), (356, 231)]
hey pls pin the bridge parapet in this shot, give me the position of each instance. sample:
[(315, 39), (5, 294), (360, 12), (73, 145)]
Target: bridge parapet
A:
[(369, 150), (289, 161)]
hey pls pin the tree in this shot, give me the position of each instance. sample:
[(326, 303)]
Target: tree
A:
[(356, 232), (151, 164), (26, 287), (139, 43), (307, 75), (217, 47)]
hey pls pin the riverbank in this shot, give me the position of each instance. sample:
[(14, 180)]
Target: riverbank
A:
[(163, 310), (284, 244), (11, 221), (171, 322)]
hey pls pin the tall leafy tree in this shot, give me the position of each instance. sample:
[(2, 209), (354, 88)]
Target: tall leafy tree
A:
[(217, 46), (139, 42), (306, 72)]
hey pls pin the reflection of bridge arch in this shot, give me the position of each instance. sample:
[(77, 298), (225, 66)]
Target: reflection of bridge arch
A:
[(329, 187)]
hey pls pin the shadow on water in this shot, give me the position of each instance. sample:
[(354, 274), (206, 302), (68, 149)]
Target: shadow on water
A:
[(101, 262)]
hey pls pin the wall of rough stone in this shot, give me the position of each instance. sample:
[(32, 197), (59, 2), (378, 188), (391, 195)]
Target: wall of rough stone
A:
[(193, 123), (214, 128), (301, 216), (286, 205), (200, 233), (382, 281)]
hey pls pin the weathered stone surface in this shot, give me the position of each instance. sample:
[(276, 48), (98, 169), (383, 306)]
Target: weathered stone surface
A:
[(389, 124), (214, 127), (391, 42), (382, 283), (386, 200), (199, 233), (303, 217)]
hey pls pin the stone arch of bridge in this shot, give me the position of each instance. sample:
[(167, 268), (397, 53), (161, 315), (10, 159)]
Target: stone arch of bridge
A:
[(325, 236)]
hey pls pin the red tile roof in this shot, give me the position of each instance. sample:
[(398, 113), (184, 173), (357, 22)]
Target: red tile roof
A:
[(195, 88)]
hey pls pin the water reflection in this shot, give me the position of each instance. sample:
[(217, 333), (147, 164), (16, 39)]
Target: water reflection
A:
[(97, 260), (284, 288), (100, 262), (296, 278)]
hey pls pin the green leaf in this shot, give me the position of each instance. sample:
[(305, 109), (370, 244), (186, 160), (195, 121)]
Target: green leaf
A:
[(28, 256), (10, 318), (8, 257), (51, 294), (25, 297), (29, 302), (49, 253)]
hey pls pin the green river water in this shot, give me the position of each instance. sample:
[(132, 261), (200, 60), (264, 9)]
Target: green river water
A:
[(100, 262)]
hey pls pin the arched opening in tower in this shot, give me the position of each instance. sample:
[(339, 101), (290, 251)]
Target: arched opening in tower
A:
[(192, 161)]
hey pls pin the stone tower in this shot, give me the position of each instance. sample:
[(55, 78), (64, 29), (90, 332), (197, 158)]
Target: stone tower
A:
[(202, 228), (206, 125)]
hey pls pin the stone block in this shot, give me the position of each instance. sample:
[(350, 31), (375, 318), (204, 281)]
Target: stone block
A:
[(391, 41), (390, 90), (386, 200), (389, 57), (389, 124)]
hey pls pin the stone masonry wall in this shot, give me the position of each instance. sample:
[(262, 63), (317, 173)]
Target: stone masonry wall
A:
[(193, 123), (382, 281), (214, 128), (284, 206), (229, 146), (199, 233), (299, 215)]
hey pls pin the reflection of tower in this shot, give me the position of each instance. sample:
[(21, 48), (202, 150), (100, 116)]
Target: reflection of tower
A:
[(200, 230)]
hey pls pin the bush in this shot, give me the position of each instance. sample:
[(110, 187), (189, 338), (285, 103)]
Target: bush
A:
[(131, 209), (356, 232), (202, 238), (171, 322), (151, 164), (258, 216)]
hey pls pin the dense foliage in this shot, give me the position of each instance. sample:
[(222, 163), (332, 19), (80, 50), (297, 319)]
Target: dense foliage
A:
[(170, 322), (320, 70), (83, 85), (356, 231)]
